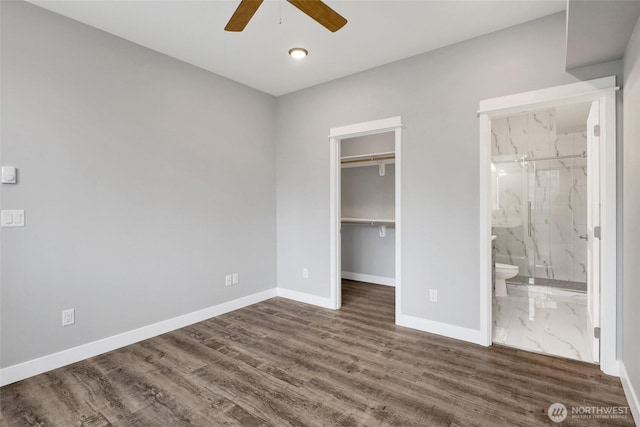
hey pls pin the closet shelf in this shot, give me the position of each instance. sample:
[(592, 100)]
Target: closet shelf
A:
[(368, 159), (369, 221)]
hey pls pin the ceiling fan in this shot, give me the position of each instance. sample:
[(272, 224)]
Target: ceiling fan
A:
[(317, 10)]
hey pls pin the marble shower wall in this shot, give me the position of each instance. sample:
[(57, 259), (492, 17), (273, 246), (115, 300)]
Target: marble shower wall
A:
[(557, 190)]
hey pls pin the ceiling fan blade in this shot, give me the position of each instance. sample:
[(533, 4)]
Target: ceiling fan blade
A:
[(320, 12), (242, 15)]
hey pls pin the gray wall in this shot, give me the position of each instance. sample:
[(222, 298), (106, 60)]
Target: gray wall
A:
[(145, 180), (366, 194), (631, 211), (365, 252), (376, 143), (437, 95)]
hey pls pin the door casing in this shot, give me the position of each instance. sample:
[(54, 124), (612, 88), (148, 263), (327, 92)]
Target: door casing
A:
[(593, 219), (391, 124), (604, 91)]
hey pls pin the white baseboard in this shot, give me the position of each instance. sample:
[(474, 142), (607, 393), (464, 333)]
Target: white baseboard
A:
[(306, 298), (611, 367), (37, 366), (369, 278), (444, 329), (630, 393)]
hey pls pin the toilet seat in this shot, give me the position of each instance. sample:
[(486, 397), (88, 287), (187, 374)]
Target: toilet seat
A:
[(506, 266)]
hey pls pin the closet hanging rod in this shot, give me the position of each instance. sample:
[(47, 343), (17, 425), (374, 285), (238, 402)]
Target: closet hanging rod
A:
[(369, 155), (368, 159), (537, 159), (369, 221)]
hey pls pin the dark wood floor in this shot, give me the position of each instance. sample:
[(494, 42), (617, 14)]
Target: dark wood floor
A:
[(281, 363)]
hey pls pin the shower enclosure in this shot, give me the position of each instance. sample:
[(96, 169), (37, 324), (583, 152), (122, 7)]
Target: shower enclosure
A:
[(540, 200)]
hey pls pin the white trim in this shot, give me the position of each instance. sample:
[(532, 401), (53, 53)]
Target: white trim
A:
[(566, 94), (486, 244), (398, 223), (369, 278), (608, 243), (445, 329), (62, 358), (602, 90), (366, 128), (306, 298), (335, 263), (335, 224), (630, 393)]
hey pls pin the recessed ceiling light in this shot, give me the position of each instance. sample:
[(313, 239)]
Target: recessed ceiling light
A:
[(298, 52)]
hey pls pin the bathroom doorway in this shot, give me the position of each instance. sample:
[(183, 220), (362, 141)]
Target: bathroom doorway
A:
[(540, 170), (548, 157)]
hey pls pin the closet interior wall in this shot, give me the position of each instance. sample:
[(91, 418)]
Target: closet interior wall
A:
[(368, 208)]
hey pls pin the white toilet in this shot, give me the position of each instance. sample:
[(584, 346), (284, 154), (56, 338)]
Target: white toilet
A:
[(504, 271)]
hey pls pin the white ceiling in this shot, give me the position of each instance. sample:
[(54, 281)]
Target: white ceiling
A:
[(378, 32)]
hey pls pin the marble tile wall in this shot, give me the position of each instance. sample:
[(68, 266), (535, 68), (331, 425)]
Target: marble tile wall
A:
[(556, 189)]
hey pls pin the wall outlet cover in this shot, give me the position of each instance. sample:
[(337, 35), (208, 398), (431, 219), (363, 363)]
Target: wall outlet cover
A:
[(68, 317)]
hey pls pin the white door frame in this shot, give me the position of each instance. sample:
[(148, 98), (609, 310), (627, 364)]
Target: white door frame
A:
[(604, 91), (391, 124), (593, 219)]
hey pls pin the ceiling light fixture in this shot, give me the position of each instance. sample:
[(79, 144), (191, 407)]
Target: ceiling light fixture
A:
[(298, 52)]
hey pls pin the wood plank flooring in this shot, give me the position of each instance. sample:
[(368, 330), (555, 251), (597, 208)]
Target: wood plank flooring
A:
[(280, 363)]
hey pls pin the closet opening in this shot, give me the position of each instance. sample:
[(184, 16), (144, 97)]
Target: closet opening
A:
[(365, 211), (367, 220)]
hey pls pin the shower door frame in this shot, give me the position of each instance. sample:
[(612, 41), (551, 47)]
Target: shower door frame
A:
[(604, 91)]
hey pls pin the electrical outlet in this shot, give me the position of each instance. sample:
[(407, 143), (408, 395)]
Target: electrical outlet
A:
[(236, 278), (433, 295), (228, 280), (68, 317), (532, 280), (305, 273)]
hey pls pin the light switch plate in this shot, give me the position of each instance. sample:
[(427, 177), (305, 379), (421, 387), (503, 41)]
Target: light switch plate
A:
[(9, 175), (12, 218)]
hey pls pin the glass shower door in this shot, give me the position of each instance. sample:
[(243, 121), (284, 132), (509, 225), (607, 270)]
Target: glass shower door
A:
[(511, 214)]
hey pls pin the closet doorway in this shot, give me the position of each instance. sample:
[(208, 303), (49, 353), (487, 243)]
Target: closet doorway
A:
[(366, 205)]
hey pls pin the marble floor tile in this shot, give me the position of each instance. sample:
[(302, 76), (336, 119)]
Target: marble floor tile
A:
[(543, 319)]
